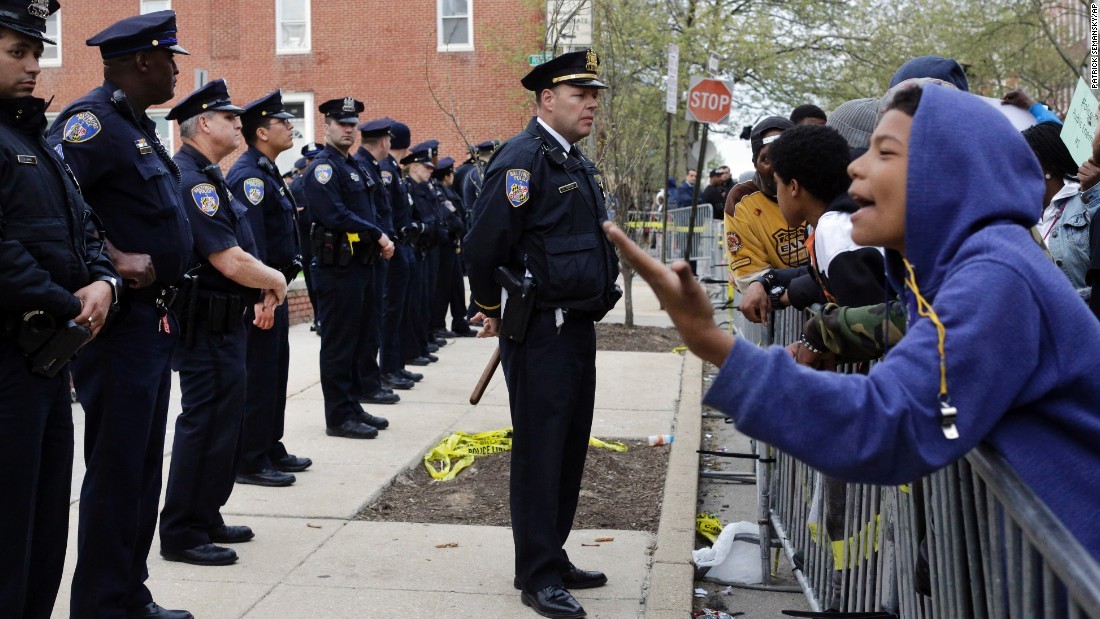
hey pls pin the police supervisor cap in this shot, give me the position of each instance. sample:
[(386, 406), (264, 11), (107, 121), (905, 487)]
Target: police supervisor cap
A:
[(213, 97), (345, 110), (376, 128), (429, 146), (577, 68), (419, 154), (28, 17), (155, 30), (261, 110)]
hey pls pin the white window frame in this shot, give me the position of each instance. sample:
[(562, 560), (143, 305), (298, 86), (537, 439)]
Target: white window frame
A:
[(168, 138), (440, 45), (306, 126), (144, 12), (279, 49), (54, 62)]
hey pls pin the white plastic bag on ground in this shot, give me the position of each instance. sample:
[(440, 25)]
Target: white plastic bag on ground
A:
[(731, 560)]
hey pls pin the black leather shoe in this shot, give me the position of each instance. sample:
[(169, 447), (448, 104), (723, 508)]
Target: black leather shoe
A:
[(576, 578), (444, 333), (206, 554), (432, 347), (555, 602), (466, 333), (413, 376), (352, 428), (421, 361), (439, 341), (291, 464), (375, 422), (381, 397), (153, 611), (397, 382), (266, 477), (230, 534), (432, 358)]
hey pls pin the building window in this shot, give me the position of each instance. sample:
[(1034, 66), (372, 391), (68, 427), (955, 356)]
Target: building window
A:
[(301, 105), (165, 130), (292, 26), (152, 6), (51, 54), (455, 25)]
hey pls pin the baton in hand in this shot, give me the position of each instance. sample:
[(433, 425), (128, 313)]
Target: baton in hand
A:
[(486, 375)]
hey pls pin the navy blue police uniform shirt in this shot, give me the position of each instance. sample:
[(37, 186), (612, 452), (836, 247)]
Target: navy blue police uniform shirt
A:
[(398, 189), (339, 197), (541, 210), (218, 220), (49, 247), (383, 203), (128, 178), (255, 182)]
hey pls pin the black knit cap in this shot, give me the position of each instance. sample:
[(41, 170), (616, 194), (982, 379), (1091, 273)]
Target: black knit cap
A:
[(577, 68), (28, 17)]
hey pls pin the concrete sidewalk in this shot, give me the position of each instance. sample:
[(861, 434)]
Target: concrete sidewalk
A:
[(310, 560)]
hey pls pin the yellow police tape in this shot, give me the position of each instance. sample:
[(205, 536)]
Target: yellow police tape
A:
[(709, 526), (459, 450), (659, 225)]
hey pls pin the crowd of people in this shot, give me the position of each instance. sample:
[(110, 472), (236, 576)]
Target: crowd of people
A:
[(144, 262)]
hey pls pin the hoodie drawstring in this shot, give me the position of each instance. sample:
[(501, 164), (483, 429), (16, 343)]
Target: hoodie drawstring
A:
[(948, 413)]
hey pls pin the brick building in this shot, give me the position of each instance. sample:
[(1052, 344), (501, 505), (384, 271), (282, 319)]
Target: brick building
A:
[(470, 52)]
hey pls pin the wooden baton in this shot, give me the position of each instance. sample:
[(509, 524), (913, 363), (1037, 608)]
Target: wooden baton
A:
[(486, 376)]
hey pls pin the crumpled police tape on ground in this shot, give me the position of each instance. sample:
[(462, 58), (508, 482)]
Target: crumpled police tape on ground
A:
[(459, 450)]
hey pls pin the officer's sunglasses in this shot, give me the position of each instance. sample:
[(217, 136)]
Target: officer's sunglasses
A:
[(277, 121)]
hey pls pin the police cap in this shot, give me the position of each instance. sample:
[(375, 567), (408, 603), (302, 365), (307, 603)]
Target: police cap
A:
[(213, 97), (312, 149), (261, 110), (376, 128), (344, 111), (301, 164), (445, 166), (577, 68), (28, 17), (429, 146), (141, 32), (401, 136), (421, 153)]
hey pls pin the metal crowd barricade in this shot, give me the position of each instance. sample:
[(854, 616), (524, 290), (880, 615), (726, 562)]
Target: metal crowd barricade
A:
[(969, 541)]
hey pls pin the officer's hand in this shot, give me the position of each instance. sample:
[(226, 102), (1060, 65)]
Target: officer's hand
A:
[(95, 300), (681, 295), (1018, 98), (755, 303), (136, 269), (387, 246), (265, 313), (490, 327)]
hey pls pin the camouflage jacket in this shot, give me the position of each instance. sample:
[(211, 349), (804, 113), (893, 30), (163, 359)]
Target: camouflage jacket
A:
[(856, 333)]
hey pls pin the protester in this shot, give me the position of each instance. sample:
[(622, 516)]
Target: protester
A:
[(808, 114)]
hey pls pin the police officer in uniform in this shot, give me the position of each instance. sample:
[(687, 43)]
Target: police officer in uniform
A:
[(346, 244), (414, 341), (539, 216), (53, 269), (427, 210), (256, 182), (470, 184), (211, 357), (451, 291), (298, 188), (373, 387), (123, 377)]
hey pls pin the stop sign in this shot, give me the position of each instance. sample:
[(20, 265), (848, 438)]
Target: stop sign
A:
[(709, 100)]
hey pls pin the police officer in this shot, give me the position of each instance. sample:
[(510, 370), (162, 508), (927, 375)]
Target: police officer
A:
[(451, 291), (256, 182), (414, 341), (211, 357), (123, 377), (374, 389), (298, 189), (427, 210), (470, 185), (540, 214), (397, 339), (54, 269), (346, 244)]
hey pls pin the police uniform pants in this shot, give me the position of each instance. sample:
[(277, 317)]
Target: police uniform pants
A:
[(431, 279), (395, 298), (343, 294), (369, 376), (268, 366), (36, 437), (306, 246), (204, 450), (458, 298), (414, 342), (442, 292), (123, 378), (551, 390)]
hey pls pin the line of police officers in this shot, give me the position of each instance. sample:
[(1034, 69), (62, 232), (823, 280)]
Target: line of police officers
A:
[(145, 263)]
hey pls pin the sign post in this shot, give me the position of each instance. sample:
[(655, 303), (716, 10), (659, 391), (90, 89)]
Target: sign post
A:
[(708, 101), (671, 96)]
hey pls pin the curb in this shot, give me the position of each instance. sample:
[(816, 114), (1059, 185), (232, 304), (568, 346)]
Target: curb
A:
[(672, 574)]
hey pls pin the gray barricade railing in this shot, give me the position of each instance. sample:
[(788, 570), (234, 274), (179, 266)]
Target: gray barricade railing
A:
[(969, 541)]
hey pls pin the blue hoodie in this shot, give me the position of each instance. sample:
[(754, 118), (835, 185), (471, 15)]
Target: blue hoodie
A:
[(1021, 380)]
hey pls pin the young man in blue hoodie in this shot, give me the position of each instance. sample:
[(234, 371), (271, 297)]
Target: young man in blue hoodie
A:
[(981, 296)]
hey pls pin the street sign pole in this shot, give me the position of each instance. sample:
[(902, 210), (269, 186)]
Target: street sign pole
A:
[(670, 108), (708, 101), (695, 193)]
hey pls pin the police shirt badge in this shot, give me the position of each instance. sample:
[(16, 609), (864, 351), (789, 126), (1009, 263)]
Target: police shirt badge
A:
[(517, 185), (143, 146), (254, 190), (323, 173), (81, 127), (206, 198), (387, 178), (39, 8), (354, 177)]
